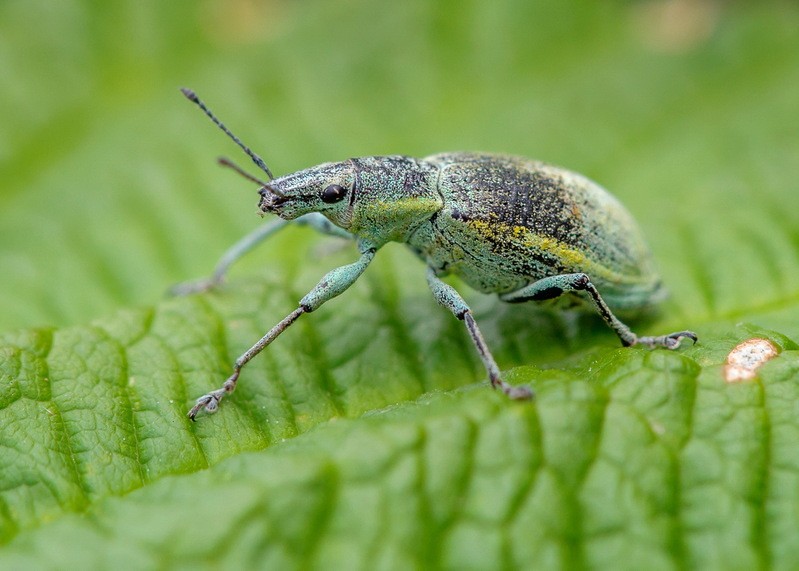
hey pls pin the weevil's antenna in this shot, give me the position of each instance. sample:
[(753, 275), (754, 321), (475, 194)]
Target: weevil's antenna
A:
[(226, 162), (191, 96)]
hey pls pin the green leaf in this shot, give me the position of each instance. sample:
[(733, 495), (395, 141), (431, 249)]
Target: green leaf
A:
[(365, 437)]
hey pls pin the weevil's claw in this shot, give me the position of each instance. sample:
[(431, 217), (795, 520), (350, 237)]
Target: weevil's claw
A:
[(520, 392), (209, 402), (202, 402), (687, 335), (670, 341)]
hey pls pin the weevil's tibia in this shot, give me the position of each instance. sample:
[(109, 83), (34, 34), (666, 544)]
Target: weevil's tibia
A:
[(332, 284), (555, 286), (447, 296), (210, 401)]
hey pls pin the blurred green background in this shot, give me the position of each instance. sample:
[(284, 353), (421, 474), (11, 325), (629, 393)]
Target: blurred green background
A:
[(685, 109), (109, 193)]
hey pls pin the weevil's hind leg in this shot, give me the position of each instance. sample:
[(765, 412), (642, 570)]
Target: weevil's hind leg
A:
[(447, 296), (250, 241), (552, 287), (332, 284)]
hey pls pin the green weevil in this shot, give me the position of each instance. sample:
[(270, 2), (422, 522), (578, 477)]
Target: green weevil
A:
[(505, 225)]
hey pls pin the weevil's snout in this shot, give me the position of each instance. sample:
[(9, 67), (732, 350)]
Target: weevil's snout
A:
[(271, 199)]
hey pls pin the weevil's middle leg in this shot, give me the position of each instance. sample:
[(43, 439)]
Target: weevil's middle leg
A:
[(446, 295), (555, 286)]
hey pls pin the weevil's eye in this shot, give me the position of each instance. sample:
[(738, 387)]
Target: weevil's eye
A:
[(333, 193)]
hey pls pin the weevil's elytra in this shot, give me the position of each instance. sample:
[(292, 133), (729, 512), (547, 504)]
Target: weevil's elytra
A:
[(506, 225), (522, 213)]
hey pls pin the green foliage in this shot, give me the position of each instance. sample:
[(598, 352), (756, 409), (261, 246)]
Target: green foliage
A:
[(363, 438)]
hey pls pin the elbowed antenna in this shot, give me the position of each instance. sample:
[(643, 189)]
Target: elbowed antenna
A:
[(191, 96), (225, 162)]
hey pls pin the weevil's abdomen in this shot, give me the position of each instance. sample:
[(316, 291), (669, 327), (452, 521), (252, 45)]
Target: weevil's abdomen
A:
[(508, 221)]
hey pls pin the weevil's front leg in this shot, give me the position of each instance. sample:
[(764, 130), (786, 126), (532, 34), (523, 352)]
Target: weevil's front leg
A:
[(555, 286), (250, 241), (332, 284), (447, 296), (321, 224), (234, 253)]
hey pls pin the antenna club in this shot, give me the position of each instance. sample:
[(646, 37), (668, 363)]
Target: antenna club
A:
[(190, 95)]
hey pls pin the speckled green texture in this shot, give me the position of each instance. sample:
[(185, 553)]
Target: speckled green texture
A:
[(498, 222)]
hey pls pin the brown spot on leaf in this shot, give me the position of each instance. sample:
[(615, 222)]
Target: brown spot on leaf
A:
[(746, 358)]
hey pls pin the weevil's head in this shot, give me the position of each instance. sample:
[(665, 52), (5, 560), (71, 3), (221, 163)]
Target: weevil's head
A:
[(377, 198), (326, 188)]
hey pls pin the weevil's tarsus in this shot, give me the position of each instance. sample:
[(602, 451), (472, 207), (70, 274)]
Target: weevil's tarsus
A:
[(670, 341), (259, 162), (447, 296), (210, 402), (332, 284), (555, 286)]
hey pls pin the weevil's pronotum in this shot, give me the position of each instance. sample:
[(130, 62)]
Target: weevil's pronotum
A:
[(518, 228)]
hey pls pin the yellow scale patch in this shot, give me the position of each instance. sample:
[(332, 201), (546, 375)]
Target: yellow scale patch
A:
[(402, 208), (521, 235), (385, 214)]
